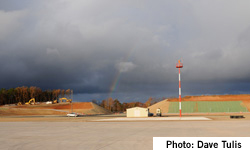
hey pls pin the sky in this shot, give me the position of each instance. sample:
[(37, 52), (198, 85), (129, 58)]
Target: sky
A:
[(126, 49)]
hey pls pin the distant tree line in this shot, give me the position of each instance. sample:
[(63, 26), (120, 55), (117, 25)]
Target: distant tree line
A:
[(24, 94), (117, 106)]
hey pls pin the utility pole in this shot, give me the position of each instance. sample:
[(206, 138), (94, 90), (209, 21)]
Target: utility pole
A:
[(71, 101)]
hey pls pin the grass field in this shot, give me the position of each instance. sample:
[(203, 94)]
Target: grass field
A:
[(206, 106)]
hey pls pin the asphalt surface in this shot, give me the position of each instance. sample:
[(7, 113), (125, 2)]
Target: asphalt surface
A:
[(110, 135)]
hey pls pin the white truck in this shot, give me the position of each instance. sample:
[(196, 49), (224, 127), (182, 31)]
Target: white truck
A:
[(158, 112), (72, 115)]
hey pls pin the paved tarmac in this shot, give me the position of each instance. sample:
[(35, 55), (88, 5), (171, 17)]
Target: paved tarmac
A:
[(154, 119), (110, 135)]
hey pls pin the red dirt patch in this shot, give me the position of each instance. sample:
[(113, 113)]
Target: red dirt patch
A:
[(53, 109), (78, 105), (82, 105), (247, 104), (242, 97)]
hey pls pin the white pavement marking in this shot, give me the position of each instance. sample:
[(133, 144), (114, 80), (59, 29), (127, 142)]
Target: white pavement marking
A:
[(154, 118)]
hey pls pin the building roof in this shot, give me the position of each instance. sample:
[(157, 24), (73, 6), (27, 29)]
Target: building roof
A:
[(137, 108)]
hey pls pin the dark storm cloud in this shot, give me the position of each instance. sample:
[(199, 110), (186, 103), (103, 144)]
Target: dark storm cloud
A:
[(88, 45), (10, 5)]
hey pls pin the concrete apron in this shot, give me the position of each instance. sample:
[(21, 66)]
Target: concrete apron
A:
[(156, 119)]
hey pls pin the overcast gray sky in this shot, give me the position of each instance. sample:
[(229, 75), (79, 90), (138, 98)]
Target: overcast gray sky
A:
[(126, 49)]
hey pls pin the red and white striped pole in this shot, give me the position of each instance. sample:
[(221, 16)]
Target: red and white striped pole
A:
[(180, 90), (179, 65)]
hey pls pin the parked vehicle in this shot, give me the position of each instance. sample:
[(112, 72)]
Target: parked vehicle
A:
[(72, 115), (158, 112)]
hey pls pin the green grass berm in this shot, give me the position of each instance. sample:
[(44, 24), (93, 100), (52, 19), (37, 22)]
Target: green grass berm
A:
[(207, 107)]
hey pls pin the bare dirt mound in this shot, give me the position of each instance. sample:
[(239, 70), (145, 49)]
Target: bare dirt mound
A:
[(24, 112), (98, 109), (247, 104), (163, 105), (242, 97), (54, 109), (89, 108), (80, 105)]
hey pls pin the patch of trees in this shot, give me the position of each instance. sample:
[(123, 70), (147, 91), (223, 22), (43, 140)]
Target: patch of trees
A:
[(24, 94), (117, 106)]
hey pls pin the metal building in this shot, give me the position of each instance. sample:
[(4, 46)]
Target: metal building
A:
[(137, 112)]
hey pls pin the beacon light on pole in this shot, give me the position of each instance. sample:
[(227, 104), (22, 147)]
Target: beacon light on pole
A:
[(179, 65)]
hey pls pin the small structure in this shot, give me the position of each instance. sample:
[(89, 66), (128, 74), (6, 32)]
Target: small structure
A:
[(137, 112)]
